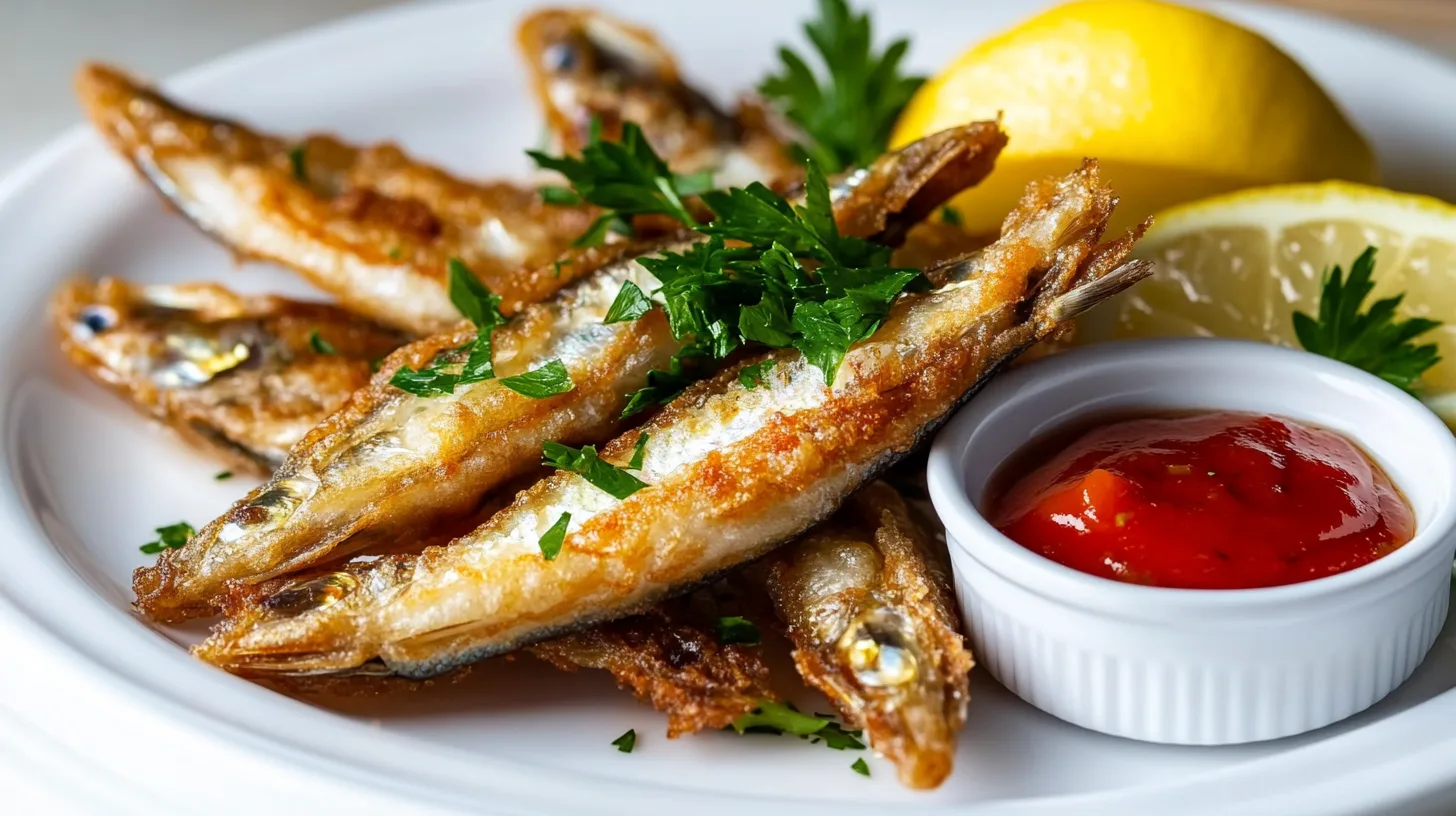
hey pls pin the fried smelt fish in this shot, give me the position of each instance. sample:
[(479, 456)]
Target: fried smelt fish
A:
[(369, 225), (729, 472), (670, 658), (392, 461), (244, 377), (591, 70), (868, 605)]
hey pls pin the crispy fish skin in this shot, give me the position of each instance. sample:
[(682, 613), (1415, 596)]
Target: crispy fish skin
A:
[(731, 472), (670, 658), (391, 461), (586, 67), (369, 225), (868, 604), (235, 375)]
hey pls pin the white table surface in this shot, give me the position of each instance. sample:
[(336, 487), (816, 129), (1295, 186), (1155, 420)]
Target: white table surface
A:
[(43, 41)]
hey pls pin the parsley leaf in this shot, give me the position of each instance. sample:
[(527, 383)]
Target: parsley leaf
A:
[(298, 162), (752, 375), (662, 387), (625, 177), (482, 307), (630, 304), (737, 629), (585, 463), (627, 741), (319, 344), (1373, 340), (777, 718), (950, 217), (170, 537), (552, 539), (849, 112), (222, 476), (639, 452), (838, 738), (547, 381), (860, 767)]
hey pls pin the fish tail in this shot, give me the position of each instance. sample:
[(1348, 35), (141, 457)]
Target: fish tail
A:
[(1095, 290)]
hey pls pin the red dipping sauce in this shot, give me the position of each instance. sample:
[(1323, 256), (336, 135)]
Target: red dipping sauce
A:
[(1203, 501)]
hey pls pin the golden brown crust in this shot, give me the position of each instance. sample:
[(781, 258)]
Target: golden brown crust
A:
[(260, 401), (370, 225), (670, 659), (902, 584)]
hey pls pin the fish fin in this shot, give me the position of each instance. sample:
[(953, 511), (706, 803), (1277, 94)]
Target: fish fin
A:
[(1089, 294)]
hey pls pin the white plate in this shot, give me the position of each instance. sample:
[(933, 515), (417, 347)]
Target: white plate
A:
[(108, 705)]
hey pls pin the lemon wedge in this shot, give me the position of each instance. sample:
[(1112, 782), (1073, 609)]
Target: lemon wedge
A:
[(1176, 103), (1240, 265)]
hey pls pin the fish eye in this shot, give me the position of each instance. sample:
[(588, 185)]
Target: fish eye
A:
[(97, 318), (559, 57)]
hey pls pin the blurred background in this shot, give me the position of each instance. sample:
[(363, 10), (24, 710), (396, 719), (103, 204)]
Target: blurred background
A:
[(42, 41)]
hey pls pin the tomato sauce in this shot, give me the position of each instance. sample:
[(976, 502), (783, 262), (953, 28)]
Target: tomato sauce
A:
[(1203, 501)]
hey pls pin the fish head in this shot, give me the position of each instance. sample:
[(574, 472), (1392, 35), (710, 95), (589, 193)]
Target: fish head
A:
[(171, 337), (591, 70)]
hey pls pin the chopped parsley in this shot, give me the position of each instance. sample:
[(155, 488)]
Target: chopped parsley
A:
[(298, 162), (170, 537), (736, 629), (860, 767), (447, 371), (585, 463), (1373, 340), (662, 387), (781, 718), (222, 476), (948, 215), (847, 114), (639, 452), (395, 253), (319, 344), (539, 383), (627, 741), (552, 539), (752, 375), (777, 718), (631, 303), (626, 178)]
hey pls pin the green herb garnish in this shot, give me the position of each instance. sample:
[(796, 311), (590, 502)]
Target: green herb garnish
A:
[(849, 112), (626, 178), (395, 253), (948, 215), (446, 372), (319, 344), (860, 767), (661, 388), (171, 537), (298, 161), (627, 741), (552, 539), (737, 629), (751, 376), (630, 304), (222, 476), (539, 383), (585, 463), (1374, 340), (639, 452), (777, 718)]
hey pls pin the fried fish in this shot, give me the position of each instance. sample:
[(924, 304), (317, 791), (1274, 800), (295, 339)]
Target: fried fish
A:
[(728, 472)]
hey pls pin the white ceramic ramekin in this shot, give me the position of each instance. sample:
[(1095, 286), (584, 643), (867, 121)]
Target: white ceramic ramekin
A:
[(1197, 667)]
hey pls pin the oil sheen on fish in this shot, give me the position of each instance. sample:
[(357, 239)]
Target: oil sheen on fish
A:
[(731, 472), (369, 225), (867, 601), (244, 377), (588, 67), (391, 461)]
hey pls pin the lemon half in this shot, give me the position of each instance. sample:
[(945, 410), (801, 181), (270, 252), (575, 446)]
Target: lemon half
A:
[(1240, 265), (1176, 103)]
